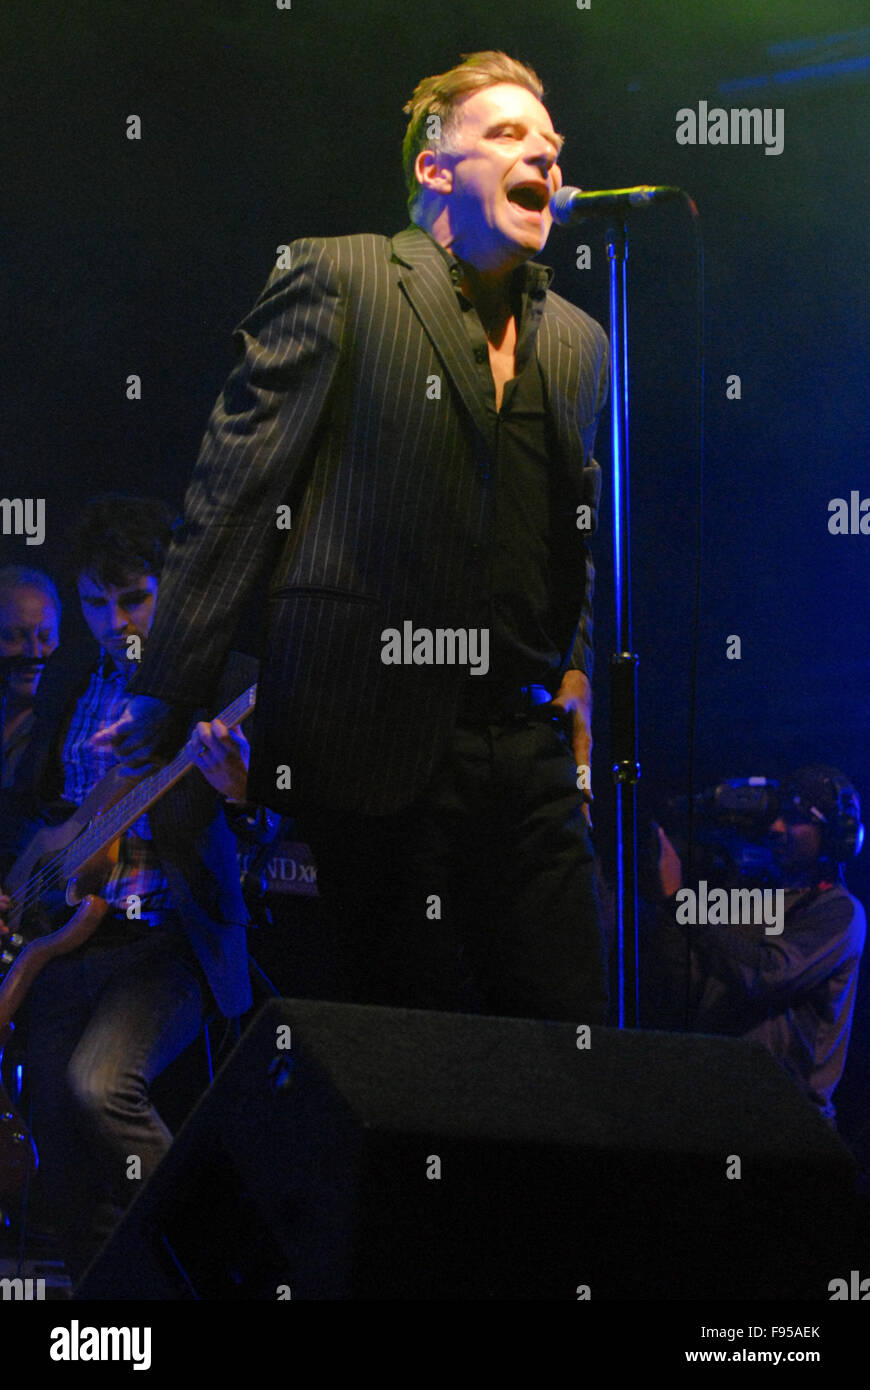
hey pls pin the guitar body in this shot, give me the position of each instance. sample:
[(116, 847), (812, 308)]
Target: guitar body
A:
[(17, 1157), (46, 843), (77, 857), (94, 873), (51, 840), (57, 842), (42, 949)]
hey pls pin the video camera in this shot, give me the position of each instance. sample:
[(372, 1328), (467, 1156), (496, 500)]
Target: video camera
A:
[(731, 832)]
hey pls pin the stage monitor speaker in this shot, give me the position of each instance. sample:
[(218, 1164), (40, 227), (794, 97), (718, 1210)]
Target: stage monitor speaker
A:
[(352, 1152)]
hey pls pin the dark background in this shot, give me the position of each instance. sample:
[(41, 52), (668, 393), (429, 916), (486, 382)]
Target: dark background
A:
[(262, 125)]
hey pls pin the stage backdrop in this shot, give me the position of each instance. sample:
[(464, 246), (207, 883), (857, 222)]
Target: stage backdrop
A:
[(259, 122)]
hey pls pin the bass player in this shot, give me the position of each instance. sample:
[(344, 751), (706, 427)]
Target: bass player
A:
[(107, 1019)]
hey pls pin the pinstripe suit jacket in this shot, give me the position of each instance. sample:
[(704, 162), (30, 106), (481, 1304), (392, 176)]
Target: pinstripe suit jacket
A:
[(332, 412)]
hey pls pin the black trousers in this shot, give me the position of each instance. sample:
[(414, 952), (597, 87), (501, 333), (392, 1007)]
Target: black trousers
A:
[(480, 896)]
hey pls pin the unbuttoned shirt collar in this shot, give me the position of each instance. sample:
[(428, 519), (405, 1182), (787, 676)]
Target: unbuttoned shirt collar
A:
[(531, 279)]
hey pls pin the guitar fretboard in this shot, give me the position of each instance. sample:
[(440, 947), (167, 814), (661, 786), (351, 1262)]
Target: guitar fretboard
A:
[(127, 811)]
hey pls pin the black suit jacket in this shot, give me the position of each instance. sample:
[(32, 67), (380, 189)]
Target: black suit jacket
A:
[(332, 411), (196, 847)]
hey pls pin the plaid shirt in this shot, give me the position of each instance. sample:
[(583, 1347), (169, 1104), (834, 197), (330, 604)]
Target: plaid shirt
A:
[(138, 868)]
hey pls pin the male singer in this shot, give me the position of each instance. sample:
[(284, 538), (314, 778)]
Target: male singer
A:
[(403, 456)]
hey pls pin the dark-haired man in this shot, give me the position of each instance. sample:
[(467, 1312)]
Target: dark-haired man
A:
[(105, 1020), (405, 451)]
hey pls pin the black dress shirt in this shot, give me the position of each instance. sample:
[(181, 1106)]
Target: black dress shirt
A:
[(524, 472)]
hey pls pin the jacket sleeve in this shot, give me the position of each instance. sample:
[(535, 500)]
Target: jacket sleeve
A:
[(815, 944), (581, 658), (582, 655), (253, 459), (251, 824)]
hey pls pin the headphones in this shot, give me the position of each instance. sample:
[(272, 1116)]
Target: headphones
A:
[(827, 798)]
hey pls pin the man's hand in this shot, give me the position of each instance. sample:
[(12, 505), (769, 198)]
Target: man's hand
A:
[(5, 904), (222, 756), (137, 737), (575, 698), (670, 868)]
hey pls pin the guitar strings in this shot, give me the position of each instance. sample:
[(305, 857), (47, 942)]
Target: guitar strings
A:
[(31, 891), (51, 875)]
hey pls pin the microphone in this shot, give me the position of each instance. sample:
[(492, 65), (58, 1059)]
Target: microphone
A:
[(572, 205)]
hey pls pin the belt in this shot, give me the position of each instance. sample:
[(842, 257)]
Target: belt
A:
[(518, 703)]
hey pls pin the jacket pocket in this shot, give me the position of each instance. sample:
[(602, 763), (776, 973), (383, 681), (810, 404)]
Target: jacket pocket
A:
[(321, 591)]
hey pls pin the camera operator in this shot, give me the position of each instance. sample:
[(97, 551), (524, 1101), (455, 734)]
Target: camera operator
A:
[(790, 988)]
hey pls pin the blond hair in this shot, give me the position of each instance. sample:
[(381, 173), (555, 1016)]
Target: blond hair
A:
[(440, 97)]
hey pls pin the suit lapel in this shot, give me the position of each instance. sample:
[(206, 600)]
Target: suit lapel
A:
[(425, 281)]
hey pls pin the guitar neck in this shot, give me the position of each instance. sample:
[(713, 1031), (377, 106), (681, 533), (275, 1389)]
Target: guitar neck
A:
[(112, 823)]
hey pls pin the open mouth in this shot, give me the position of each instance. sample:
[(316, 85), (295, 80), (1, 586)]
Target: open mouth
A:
[(530, 197)]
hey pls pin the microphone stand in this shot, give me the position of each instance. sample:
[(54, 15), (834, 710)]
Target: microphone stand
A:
[(569, 205), (623, 663)]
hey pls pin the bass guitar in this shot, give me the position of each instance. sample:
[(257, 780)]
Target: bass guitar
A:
[(76, 859)]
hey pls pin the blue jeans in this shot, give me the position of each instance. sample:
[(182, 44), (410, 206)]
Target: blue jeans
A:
[(103, 1023)]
